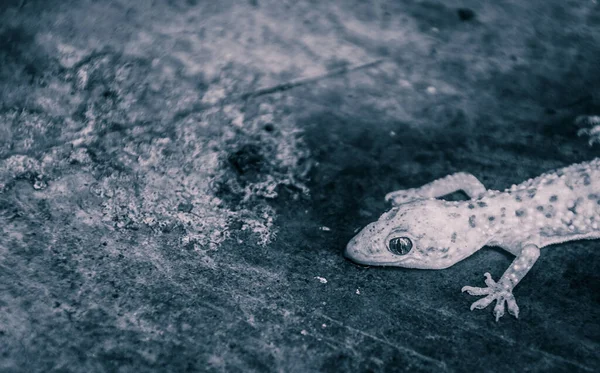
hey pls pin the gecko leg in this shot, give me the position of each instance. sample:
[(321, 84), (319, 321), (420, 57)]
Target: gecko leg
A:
[(440, 187), (501, 291)]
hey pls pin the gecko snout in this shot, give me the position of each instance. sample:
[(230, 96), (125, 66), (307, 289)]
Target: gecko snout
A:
[(366, 247), (357, 252), (351, 251), (350, 248)]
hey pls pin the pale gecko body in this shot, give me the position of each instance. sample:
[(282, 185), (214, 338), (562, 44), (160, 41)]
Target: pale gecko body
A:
[(424, 232)]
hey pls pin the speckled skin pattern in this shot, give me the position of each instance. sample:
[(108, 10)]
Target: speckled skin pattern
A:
[(555, 207)]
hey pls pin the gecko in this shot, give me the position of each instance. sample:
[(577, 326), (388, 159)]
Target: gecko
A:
[(421, 231)]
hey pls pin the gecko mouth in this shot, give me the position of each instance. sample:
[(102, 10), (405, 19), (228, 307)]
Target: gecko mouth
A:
[(374, 261), (358, 257)]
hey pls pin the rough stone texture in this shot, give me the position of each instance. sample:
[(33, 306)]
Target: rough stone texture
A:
[(167, 169)]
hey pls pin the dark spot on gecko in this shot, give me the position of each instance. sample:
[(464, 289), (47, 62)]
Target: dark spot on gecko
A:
[(481, 204), (592, 196), (453, 238), (586, 179), (531, 193), (518, 198), (520, 212), (454, 215), (549, 181), (549, 215), (472, 221), (553, 198), (573, 209), (540, 208), (445, 249), (491, 218), (471, 206)]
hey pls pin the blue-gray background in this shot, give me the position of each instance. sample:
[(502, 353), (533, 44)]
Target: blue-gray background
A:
[(178, 180)]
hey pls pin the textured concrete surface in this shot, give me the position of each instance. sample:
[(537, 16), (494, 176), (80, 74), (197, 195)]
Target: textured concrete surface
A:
[(179, 179)]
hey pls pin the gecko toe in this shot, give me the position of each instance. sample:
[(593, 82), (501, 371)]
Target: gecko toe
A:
[(488, 280), (472, 290), (402, 196), (395, 198), (482, 303), (499, 309), (512, 306)]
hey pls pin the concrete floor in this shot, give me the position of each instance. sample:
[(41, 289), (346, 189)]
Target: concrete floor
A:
[(178, 180)]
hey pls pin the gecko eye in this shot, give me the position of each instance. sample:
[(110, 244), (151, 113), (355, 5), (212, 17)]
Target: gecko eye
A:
[(400, 245)]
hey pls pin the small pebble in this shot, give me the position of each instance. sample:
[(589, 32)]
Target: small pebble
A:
[(322, 280)]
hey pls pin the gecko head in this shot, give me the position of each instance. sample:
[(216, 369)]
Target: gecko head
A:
[(420, 234)]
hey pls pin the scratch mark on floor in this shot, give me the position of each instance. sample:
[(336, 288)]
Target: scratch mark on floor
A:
[(404, 349), (300, 82), (277, 88)]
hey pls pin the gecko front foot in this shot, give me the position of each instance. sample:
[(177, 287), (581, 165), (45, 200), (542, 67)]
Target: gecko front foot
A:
[(593, 121), (501, 293)]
